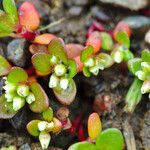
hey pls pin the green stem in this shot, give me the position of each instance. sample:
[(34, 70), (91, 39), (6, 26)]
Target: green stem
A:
[(134, 95)]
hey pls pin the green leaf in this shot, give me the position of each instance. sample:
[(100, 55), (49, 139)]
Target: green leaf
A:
[(41, 62), (6, 109), (48, 114), (6, 25), (17, 75), (107, 42), (11, 9), (133, 95), (123, 38), (110, 139), (56, 47), (67, 96), (86, 72), (127, 55), (32, 127), (41, 102), (106, 60), (86, 53), (4, 66), (82, 146), (146, 55), (72, 68), (134, 65)]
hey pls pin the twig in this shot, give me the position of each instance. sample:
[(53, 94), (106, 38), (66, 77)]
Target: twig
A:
[(129, 136), (52, 24)]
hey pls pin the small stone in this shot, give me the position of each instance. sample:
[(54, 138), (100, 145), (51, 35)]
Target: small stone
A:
[(1, 85), (17, 52), (25, 147), (2, 49), (75, 11), (130, 4), (138, 24), (147, 37)]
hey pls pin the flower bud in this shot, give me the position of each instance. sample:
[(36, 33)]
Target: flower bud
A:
[(53, 82), (18, 102), (117, 56), (89, 62), (53, 60), (44, 139), (145, 66), (42, 125), (23, 90), (94, 70), (141, 75), (145, 87), (60, 70), (64, 83), (50, 126), (30, 98)]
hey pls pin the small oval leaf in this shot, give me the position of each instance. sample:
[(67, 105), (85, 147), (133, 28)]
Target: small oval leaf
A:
[(107, 41), (72, 68), (134, 65), (94, 125), (123, 38), (32, 127), (57, 48), (48, 114), (86, 53), (4, 66), (17, 75), (41, 62), (82, 146), (67, 96), (41, 102), (110, 139), (146, 55), (6, 109), (29, 16)]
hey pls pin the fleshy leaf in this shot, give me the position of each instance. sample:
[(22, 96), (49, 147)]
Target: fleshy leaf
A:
[(6, 109), (57, 125), (94, 125), (17, 75), (44, 39), (32, 127), (56, 47), (4, 66), (48, 114), (107, 42), (41, 62), (127, 55), (123, 38), (11, 9), (146, 55), (82, 146), (94, 40), (29, 16), (86, 53), (86, 72), (134, 65), (72, 68), (41, 102), (106, 60), (67, 96), (110, 139)]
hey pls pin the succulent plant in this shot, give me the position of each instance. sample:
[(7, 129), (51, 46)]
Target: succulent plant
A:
[(43, 128), (62, 70)]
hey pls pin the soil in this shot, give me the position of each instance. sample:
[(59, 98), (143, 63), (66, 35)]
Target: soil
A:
[(112, 83)]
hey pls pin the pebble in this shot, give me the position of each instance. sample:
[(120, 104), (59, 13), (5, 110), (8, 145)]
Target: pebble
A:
[(25, 147), (17, 52), (138, 24), (130, 4), (75, 11)]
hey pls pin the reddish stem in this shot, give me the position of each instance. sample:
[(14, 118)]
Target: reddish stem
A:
[(81, 136), (30, 71), (146, 12), (29, 35), (75, 125)]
